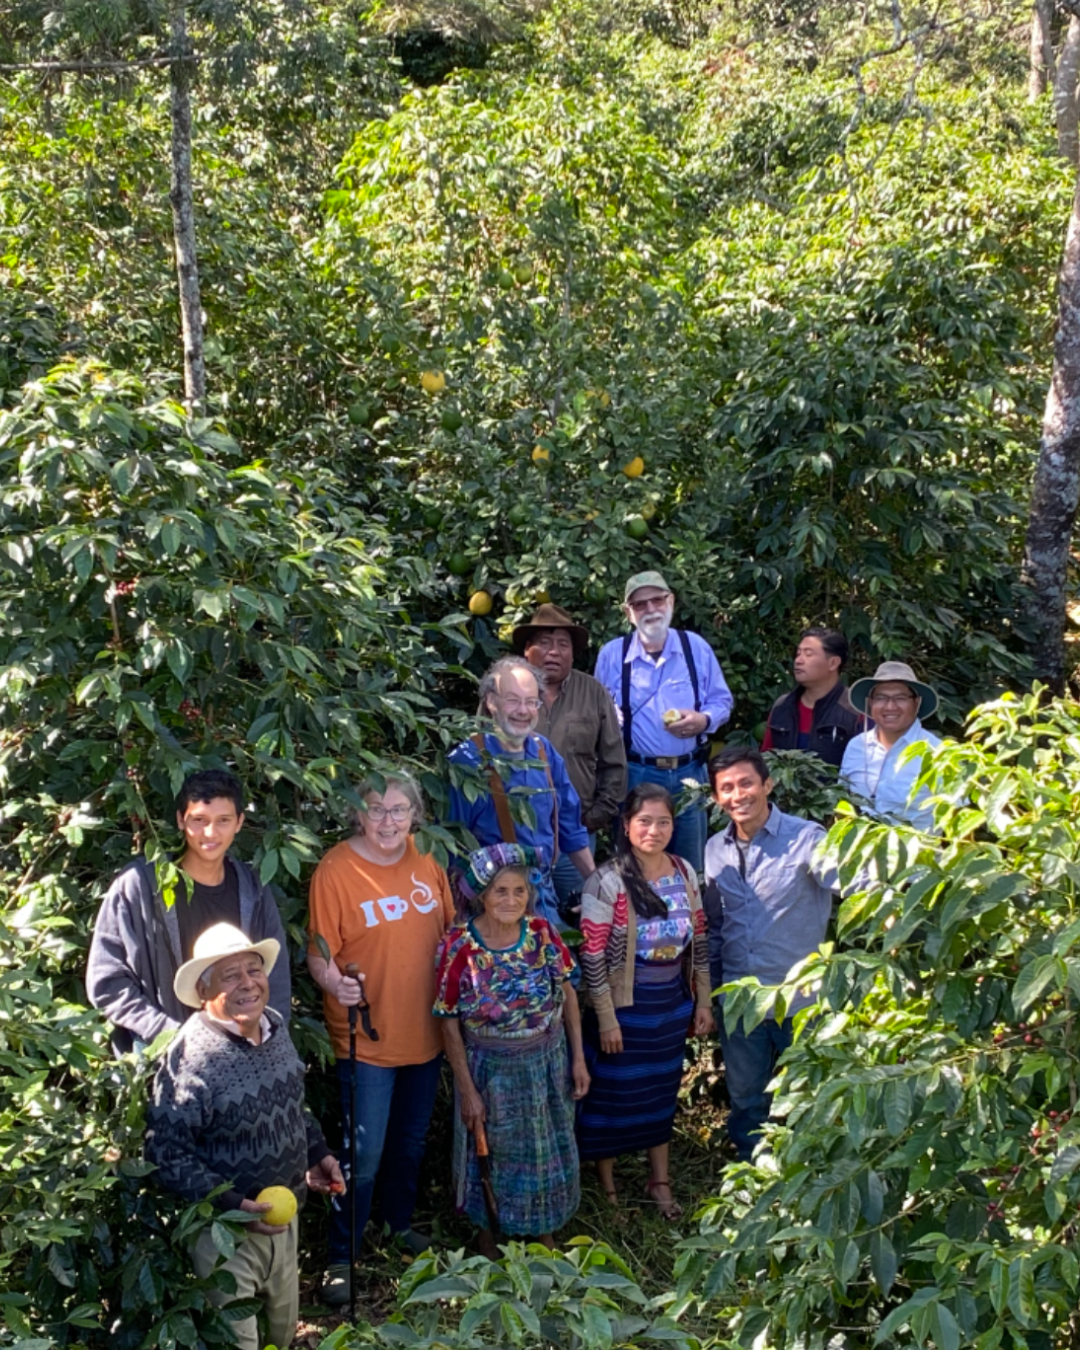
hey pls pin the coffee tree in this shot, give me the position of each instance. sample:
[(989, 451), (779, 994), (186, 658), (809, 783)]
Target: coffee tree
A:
[(923, 1180)]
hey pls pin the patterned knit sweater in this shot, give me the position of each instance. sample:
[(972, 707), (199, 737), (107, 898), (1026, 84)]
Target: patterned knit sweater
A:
[(224, 1110), (609, 926)]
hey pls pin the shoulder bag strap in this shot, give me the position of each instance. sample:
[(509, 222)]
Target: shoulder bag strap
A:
[(498, 795), (554, 803)]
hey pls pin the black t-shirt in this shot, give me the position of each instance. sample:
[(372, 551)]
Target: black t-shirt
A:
[(208, 905)]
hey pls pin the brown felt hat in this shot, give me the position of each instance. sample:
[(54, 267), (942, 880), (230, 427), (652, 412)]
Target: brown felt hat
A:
[(550, 616)]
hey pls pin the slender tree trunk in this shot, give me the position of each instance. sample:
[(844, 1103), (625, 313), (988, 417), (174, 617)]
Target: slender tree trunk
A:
[(183, 209), (1041, 64), (1056, 487), (1065, 109)]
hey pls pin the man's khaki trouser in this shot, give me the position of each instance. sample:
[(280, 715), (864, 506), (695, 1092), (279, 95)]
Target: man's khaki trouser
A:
[(263, 1267)]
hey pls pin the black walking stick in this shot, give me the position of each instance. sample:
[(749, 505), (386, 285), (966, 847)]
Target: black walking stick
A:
[(483, 1157), (351, 972)]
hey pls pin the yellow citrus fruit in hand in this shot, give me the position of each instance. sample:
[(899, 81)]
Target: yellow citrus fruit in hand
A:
[(480, 603), (635, 468), (282, 1204), (434, 381)]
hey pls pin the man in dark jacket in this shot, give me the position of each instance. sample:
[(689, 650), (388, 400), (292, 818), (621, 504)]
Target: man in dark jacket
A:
[(816, 716), (139, 943)]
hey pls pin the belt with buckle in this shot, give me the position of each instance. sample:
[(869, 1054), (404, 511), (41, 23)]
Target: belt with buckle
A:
[(666, 761)]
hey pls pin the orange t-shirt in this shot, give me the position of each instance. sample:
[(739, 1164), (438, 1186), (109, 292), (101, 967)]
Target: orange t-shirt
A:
[(390, 921)]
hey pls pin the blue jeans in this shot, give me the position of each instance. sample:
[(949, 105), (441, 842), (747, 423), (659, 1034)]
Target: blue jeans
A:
[(565, 875), (691, 825), (749, 1065), (393, 1109)]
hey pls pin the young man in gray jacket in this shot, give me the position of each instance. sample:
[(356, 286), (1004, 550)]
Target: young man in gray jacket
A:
[(139, 943)]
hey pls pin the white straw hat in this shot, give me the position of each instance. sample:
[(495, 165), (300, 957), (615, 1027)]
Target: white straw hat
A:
[(222, 940)]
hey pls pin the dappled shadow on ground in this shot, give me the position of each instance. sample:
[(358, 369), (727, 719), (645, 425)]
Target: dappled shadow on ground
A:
[(636, 1229)]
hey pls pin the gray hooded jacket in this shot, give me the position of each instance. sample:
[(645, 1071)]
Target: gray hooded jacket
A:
[(135, 953)]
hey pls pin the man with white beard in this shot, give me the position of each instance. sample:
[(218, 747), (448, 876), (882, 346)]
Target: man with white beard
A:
[(671, 696)]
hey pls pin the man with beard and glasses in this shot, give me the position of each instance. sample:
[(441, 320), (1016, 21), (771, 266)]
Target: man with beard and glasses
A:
[(524, 767), (671, 695)]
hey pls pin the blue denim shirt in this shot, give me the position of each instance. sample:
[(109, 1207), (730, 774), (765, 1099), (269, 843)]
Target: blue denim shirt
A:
[(766, 911)]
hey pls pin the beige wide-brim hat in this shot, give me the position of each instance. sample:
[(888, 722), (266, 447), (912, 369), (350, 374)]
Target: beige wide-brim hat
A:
[(887, 673), (212, 946)]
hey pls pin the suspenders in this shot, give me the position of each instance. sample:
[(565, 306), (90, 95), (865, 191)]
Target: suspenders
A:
[(627, 711)]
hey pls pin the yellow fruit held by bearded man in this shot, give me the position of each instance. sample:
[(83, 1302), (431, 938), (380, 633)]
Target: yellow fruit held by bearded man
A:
[(282, 1204)]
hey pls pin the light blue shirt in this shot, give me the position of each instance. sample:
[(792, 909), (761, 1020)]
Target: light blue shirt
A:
[(660, 681), (767, 903), (875, 772)]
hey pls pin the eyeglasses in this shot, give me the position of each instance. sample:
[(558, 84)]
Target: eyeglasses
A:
[(529, 704), (653, 602), (398, 813), (894, 700)]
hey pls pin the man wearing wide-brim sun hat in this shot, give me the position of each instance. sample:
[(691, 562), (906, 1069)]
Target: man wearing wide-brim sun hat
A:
[(579, 719), (228, 1109), (896, 701)]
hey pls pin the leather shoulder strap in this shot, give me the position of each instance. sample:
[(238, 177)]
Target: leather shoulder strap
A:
[(554, 802), (499, 799)]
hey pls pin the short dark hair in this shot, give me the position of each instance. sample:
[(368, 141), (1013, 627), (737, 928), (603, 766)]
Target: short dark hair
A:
[(737, 754), (833, 642), (207, 784)]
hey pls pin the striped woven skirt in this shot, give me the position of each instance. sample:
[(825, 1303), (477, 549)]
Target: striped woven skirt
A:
[(631, 1102), (526, 1089)]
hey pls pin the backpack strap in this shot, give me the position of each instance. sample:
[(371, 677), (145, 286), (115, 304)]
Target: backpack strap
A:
[(498, 795), (627, 715)]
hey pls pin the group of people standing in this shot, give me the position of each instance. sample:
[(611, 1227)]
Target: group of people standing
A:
[(556, 1058)]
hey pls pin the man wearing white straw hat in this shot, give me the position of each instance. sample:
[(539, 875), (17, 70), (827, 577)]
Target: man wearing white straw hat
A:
[(872, 765), (228, 1109)]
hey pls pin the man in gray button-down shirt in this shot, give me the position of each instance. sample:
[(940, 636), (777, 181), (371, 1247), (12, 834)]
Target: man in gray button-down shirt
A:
[(768, 903)]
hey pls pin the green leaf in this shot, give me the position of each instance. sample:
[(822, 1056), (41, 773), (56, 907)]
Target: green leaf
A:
[(883, 1262), (896, 1105)]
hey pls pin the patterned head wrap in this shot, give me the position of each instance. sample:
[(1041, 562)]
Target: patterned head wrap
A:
[(485, 865)]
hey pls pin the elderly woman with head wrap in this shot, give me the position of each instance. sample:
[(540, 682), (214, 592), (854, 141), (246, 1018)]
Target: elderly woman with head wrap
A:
[(510, 1014)]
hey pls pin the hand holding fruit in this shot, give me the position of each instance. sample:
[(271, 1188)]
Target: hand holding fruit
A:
[(686, 722), (326, 1177), (277, 1204)]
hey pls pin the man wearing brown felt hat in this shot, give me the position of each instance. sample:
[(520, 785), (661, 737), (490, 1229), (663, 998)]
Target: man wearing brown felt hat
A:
[(578, 717)]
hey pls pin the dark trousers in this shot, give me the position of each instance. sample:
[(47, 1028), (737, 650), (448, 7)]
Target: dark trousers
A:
[(392, 1111), (749, 1065)]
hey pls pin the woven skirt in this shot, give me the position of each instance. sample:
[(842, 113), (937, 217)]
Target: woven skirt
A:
[(526, 1089), (631, 1102)]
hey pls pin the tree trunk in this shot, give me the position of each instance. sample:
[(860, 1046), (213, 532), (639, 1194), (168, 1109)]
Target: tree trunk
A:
[(1041, 63), (183, 209), (1065, 110), (1056, 486)]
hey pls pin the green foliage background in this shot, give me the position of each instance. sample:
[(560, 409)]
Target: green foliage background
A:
[(819, 308)]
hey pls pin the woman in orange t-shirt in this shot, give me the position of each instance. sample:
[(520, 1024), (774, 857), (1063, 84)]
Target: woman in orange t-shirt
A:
[(377, 901)]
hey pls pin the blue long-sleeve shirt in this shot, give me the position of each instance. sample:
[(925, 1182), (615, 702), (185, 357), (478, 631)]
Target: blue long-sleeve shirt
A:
[(480, 817), (660, 681), (768, 902)]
